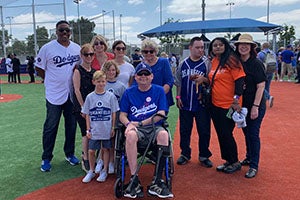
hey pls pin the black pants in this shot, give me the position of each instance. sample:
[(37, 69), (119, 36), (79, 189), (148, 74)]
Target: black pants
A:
[(15, 77), (224, 128)]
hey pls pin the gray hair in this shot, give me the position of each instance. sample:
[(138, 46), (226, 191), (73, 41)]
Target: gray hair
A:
[(150, 44)]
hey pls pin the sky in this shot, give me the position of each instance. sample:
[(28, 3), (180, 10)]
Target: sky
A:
[(132, 17)]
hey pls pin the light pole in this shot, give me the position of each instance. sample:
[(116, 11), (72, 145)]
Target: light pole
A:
[(10, 18), (121, 26), (103, 13), (230, 4), (160, 10), (78, 21), (268, 14)]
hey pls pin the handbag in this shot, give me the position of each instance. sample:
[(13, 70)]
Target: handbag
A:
[(206, 92)]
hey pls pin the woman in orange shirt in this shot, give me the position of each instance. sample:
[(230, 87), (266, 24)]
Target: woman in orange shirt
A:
[(227, 87), (100, 48)]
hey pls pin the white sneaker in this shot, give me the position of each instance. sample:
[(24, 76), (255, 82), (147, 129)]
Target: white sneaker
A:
[(111, 168), (88, 177), (280, 80), (102, 177), (99, 166)]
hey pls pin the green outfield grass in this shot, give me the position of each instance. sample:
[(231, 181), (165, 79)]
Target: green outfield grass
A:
[(21, 124)]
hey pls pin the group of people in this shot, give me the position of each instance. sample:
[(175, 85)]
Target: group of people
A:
[(236, 80), (12, 64), (98, 90)]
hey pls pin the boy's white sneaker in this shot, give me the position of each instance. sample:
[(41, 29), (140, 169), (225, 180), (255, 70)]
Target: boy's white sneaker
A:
[(102, 177), (99, 166), (111, 168), (88, 177)]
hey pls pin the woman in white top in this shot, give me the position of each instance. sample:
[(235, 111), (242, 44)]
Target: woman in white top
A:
[(126, 69)]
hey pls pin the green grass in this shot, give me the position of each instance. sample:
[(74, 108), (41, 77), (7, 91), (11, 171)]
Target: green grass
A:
[(21, 124)]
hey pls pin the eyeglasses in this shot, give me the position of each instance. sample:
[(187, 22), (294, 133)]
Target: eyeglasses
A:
[(145, 73), (121, 48), (64, 29), (88, 54), (98, 43), (148, 51)]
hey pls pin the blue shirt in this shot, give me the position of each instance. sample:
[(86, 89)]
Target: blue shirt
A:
[(141, 105), (286, 56)]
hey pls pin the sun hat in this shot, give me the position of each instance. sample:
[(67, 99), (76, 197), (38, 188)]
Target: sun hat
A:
[(245, 38), (143, 67)]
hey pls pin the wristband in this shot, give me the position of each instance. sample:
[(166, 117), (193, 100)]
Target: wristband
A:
[(127, 123), (88, 131), (255, 105), (237, 97), (178, 97)]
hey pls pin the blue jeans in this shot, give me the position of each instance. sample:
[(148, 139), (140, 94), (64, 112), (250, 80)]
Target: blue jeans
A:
[(202, 119), (251, 132), (268, 84), (51, 126)]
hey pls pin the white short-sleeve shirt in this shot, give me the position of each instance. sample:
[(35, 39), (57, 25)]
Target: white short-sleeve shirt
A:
[(58, 62)]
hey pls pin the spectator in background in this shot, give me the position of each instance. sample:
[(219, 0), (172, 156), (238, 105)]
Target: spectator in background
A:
[(164, 55), (228, 76), (16, 68), (100, 47), (9, 69), (136, 57), (286, 67), (298, 65), (30, 68), (262, 55), (55, 63), (173, 62)]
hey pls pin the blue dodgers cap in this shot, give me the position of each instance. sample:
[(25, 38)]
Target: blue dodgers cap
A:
[(289, 46), (143, 67)]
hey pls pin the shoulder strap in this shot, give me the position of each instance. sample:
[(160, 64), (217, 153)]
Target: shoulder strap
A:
[(213, 77)]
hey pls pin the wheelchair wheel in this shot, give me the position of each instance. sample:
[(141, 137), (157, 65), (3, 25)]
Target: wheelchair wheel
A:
[(118, 188)]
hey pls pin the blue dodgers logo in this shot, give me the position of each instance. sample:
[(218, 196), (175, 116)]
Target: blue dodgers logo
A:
[(61, 61), (99, 104), (150, 108)]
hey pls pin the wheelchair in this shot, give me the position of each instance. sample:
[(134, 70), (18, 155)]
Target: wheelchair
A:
[(121, 162)]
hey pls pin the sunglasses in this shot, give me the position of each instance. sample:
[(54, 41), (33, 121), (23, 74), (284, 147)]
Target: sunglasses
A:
[(89, 54), (98, 43), (145, 73), (64, 29), (148, 51), (121, 48)]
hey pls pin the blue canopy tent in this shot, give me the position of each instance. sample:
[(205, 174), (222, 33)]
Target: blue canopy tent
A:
[(210, 26)]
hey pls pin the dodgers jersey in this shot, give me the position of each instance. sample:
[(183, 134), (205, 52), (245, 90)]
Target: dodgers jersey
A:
[(58, 63), (141, 105)]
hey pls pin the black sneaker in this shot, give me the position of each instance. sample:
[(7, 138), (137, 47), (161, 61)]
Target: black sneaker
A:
[(182, 160), (206, 163), (245, 162), (221, 168), (160, 189), (232, 168), (136, 189)]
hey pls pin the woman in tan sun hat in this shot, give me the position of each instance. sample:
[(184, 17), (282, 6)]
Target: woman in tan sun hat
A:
[(253, 100)]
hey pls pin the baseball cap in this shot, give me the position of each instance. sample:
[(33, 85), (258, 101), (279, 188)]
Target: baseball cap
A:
[(143, 67)]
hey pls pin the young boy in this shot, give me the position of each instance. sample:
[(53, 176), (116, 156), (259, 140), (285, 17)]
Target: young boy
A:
[(100, 108)]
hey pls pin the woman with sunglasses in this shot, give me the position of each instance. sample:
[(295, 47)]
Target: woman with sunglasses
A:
[(160, 67), (126, 69), (82, 83), (100, 47)]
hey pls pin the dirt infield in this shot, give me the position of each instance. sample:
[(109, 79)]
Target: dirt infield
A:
[(277, 179), (9, 97)]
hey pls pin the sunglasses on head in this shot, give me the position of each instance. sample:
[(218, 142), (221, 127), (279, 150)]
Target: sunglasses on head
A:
[(98, 43), (89, 54), (121, 48), (64, 29), (148, 51), (145, 73)]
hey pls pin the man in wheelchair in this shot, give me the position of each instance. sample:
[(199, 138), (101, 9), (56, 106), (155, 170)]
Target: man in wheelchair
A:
[(138, 104)]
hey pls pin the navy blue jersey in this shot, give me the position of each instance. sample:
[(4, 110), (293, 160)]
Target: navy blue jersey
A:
[(188, 94)]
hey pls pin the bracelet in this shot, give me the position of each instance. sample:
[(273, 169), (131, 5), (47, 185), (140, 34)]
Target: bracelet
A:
[(255, 105), (178, 97), (88, 131), (127, 123)]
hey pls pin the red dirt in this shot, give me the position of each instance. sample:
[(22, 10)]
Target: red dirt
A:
[(278, 176), (10, 97)]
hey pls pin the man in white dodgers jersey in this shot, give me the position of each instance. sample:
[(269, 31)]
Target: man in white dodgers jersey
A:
[(55, 63)]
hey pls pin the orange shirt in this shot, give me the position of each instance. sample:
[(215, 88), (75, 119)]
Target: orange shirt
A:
[(95, 63), (223, 86)]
